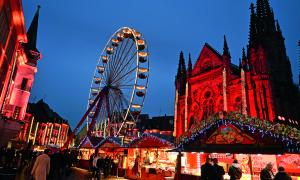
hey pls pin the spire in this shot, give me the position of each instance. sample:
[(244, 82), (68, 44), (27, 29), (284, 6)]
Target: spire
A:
[(181, 75), (267, 7), (260, 14), (260, 9), (32, 30), (244, 60), (190, 66), (252, 27), (243, 54), (226, 49), (270, 22), (30, 49), (179, 70), (182, 63)]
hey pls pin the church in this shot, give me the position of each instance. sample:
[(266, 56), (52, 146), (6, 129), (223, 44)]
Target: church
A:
[(261, 86)]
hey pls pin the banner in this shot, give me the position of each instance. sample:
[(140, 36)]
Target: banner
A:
[(290, 162), (243, 160), (260, 161)]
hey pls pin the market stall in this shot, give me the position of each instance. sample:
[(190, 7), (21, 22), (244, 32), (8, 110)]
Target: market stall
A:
[(148, 157), (86, 149), (114, 153), (253, 142)]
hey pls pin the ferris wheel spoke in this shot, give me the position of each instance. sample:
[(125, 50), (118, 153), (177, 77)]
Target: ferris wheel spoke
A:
[(126, 86), (125, 67), (115, 54), (120, 65), (110, 63), (115, 63), (126, 80), (119, 49), (114, 101), (129, 62), (123, 61), (120, 78), (128, 65), (114, 98)]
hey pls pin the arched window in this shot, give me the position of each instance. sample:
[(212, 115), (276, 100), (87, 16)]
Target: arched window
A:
[(208, 105)]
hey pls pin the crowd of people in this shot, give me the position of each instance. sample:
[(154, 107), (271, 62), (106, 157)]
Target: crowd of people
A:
[(211, 170), (56, 165), (30, 164), (99, 164)]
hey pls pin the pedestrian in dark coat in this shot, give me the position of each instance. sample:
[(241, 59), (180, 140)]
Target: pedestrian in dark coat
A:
[(266, 173), (207, 170), (235, 171), (218, 169), (282, 175)]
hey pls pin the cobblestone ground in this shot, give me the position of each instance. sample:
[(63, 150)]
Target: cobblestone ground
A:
[(78, 174), (75, 174)]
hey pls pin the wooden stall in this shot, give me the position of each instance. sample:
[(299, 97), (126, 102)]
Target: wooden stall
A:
[(148, 157)]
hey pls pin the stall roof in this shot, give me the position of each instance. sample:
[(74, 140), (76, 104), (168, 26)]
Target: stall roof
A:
[(148, 140), (233, 136), (110, 142), (90, 142)]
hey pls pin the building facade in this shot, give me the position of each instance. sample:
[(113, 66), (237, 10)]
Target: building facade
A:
[(157, 124), (18, 66), (260, 86), (43, 126)]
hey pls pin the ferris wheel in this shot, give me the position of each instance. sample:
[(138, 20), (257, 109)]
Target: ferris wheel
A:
[(120, 82)]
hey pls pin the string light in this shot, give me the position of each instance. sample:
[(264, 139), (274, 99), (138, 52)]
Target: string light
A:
[(289, 137)]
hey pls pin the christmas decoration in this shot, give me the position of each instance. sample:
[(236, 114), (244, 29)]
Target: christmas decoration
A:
[(284, 134)]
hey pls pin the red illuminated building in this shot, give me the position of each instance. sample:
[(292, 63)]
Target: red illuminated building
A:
[(44, 126), (18, 66), (260, 86)]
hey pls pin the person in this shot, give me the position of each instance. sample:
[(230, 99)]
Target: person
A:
[(135, 168), (218, 169), (266, 173), (95, 173), (100, 166), (55, 166), (41, 167), (282, 175), (93, 168), (235, 171), (207, 170)]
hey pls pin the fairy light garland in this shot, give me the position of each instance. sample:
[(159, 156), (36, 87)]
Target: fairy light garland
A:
[(290, 137)]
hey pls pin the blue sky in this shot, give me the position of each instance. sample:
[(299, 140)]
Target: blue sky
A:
[(72, 34)]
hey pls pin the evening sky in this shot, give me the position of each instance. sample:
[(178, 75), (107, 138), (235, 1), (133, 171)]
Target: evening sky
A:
[(72, 34)]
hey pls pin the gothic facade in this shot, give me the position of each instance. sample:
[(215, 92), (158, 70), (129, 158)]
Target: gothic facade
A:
[(260, 86)]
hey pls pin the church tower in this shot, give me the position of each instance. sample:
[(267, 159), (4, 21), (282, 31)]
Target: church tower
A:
[(180, 84), (269, 64)]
